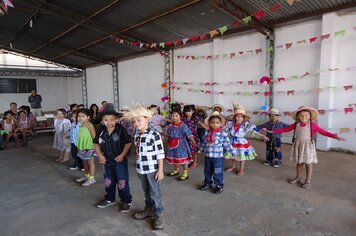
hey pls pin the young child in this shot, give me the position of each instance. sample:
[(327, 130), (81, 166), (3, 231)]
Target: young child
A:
[(9, 125), (24, 126), (178, 148), (273, 146), (61, 136), (157, 118), (112, 145), (75, 126), (149, 164), (239, 126), (303, 149), (201, 114), (215, 143), (192, 121), (217, 107), (85, 146)]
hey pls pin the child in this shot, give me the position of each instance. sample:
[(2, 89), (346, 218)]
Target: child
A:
[(85, 146), (112, 145), (303, 149), (191, 120), (157, 118), (61, 136), (24, 126), (9, 125), (273, 146), (238, 127), (201, 114), (178, 148), (75, 126), (149, 164), (215, 142), (217, 107)]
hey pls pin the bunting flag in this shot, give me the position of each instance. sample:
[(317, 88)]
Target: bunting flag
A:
[(4, 6), (247, 19)]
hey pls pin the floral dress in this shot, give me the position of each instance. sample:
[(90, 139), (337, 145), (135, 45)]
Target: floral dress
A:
[(192, 125), (244, 150), (178, 147), (62, 135)]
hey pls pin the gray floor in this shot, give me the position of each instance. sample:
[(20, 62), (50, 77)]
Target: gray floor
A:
[(40, 197)]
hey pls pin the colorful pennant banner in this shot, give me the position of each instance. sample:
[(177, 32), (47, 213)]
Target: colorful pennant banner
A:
[(212, 33), (4, 6)]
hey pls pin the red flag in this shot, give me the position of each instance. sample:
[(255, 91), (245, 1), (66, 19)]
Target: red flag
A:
[(250, 82), (325, 36), (257, 93), (203, 36), (194, 38), (241, 53), (290, 92), (235, 24), (288, 45), (168, 43), (268, 94), (348, 87), (258, 50), (281, 79), (321, 111), (260, 14), (348, 109), (312, 40), (275, 7), (232, 54)]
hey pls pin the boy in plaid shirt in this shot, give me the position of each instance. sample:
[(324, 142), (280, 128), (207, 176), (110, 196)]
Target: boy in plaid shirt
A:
[(149, 163), (215, 143)]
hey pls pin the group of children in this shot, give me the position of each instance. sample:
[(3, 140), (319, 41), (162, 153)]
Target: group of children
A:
[(188, 133), (17, 125)]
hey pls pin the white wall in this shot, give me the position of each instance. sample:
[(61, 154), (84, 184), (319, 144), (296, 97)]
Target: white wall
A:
[(140, 80), (54, 91), (100, 84)]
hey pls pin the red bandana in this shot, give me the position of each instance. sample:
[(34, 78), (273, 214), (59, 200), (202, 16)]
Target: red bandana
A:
[(177, 124), (211, 134), (237, 126)]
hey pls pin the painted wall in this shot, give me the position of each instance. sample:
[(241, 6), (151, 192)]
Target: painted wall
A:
[(99, 84), (56, 93)]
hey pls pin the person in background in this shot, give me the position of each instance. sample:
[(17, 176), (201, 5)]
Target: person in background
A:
[(13, 110), (103, 105), (9, 124), (30, 116), (35, 101), (61, 140), (24, 127), (72, 107), (75, 126), (94, 110), (81, 106)]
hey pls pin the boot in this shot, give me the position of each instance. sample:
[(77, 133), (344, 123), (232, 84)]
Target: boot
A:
[(147, 212), (158, 222)]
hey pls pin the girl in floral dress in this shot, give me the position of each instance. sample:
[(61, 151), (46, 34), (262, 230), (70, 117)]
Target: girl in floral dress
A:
[(62, 135)]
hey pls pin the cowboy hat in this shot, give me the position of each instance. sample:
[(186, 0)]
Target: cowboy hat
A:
[(239, 109), (214, 114), (217, 105), (313, 112), (274, 111), (137, 111)]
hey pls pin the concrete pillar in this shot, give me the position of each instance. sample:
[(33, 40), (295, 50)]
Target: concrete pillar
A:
[(328, 59)]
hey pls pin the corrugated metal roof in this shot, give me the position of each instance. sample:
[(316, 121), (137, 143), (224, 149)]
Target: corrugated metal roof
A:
[(159, 20)]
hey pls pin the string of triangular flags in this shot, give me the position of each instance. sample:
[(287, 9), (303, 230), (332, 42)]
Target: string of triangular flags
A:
[(4, 6), (263, 93), (258, 51), (211, 34), (265, 79)]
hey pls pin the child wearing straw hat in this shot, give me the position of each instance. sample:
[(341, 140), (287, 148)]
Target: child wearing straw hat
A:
[(273, 146), (215, 143), (303, 149), (149, 163), (239, 126)]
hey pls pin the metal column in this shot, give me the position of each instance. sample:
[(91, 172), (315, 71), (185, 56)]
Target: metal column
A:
[(84, 88), (269, 63), (115, 82), (168, 77)]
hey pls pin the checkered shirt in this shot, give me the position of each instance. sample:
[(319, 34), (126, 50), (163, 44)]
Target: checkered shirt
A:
[(220, 145), (149, 149), (270, 126)]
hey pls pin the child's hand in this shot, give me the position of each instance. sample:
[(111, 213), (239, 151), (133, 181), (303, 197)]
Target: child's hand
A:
[(119, 158), (269, 131), (159, 176), (102, 159), (265, 138), (340, 138)]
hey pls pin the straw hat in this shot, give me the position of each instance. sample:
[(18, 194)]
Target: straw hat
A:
[(314, 112), (214, 114), (217, 105), (137, 111), (239, 109), (203, 108), (274, 111)]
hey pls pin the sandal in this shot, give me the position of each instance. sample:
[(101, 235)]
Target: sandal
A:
[(173, 173), (194, 165), (306, 185), (295, 180), (183, 178), (240, 172), (230, 169)]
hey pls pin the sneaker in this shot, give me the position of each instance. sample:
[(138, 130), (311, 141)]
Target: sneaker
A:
[(105, 204), (74, 168), (81, 179), (219, 189), (205, 187), (89, 182), (125, 207), (267, 163), (158, 222), (147, 212), (82, 170), (277, 163)]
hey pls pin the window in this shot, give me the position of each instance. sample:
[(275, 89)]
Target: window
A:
[(17, 85)]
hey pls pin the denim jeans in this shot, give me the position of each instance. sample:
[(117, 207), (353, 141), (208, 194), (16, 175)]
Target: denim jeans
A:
[(271, 152), (116, 174), (153, 196), (77, 161), (213, 169)]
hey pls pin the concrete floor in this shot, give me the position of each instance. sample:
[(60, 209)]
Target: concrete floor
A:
[(40, 197)]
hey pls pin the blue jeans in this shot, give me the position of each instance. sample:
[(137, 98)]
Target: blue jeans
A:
[(116, 174), (213, 169), (153, 196), (271, 146), (77, 161)]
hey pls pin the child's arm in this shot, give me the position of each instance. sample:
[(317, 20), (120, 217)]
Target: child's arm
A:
[(192, 139), (203, 125), (282, 130), (160, 156), (265, 138), (323, 132), (124, 152), (101, 157), (91, 130)]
